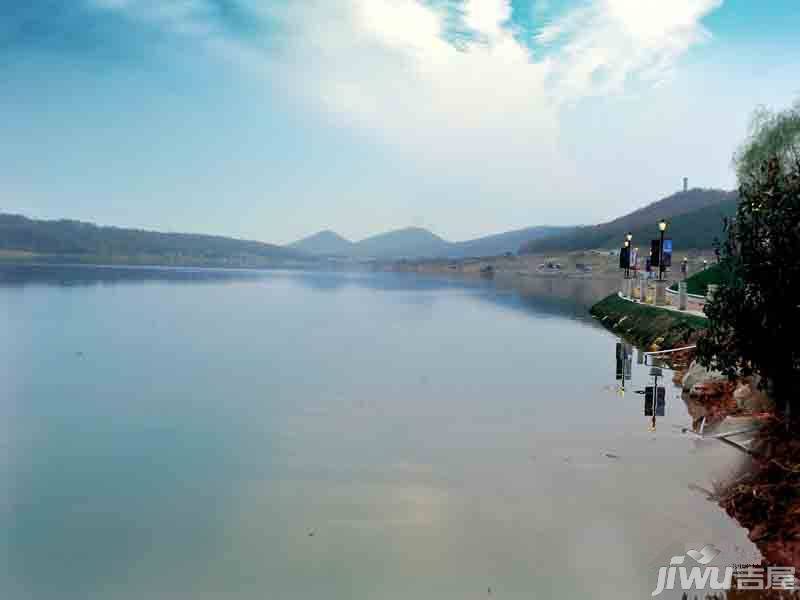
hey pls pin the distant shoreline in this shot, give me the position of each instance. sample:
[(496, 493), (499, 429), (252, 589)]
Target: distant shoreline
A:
[(592, 264)]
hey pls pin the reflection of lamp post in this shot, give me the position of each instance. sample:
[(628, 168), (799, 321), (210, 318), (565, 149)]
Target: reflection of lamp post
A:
[(662, 227), (656, 372)]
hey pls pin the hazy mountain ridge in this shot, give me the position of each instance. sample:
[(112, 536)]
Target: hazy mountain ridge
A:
[(417, 242), (695, 217), (82, 239), (410, 242), (509, 241), (325, 242)]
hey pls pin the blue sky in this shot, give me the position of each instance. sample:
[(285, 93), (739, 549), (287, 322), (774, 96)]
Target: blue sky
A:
[(273, 119)]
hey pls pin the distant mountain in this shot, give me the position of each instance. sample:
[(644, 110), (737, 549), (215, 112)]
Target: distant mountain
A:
[(698, 229), (324, 243), (500, 243), (695, 218), (415, 242), (411, 242), (87, 242)]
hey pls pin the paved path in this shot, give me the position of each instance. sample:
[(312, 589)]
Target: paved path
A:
[(691, 311), (694, 302)]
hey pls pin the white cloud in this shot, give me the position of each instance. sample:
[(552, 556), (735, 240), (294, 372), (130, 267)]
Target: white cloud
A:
[(398, 24), (389, 65), (600, 47), (487, 16), (487, 108)]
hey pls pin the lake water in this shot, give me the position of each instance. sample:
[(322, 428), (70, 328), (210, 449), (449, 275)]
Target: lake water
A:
[(201, 434)]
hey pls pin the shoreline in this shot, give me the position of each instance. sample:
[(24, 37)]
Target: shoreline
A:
[(648, 326), (764, 495)]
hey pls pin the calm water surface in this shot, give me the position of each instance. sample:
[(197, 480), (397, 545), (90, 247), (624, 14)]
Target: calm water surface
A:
[(200, 434)]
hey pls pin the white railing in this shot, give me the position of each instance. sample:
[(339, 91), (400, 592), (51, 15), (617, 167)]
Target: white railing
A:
[(669, 351)]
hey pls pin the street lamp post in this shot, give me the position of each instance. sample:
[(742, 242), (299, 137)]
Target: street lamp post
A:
[(627, 259), (662, 227), (628, 238)]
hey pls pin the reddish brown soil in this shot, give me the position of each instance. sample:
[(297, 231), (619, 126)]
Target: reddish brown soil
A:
[(765, 498)]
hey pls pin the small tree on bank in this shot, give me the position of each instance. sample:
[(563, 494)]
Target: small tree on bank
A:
[(754, 319)]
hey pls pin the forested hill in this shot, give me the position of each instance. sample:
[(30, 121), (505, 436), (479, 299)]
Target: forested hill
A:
[(695, 217), (82, 241)]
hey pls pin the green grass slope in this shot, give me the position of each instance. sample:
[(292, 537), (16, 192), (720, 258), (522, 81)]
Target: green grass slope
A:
[(646, 325), (698, 283)]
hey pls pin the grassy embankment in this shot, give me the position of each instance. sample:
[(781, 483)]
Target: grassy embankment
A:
[(648, 326), (698, 283)]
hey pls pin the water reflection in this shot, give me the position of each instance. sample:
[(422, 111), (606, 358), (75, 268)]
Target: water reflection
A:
[(544, 296), (433, 435), (16, 275), (569, 297), (655, 398), (93, 275), (650, 369), (624, 363)]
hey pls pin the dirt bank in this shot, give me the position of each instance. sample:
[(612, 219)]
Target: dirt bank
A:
[(764, 496)]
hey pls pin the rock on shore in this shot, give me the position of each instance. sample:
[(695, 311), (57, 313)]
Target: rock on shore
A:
[(697, 373)]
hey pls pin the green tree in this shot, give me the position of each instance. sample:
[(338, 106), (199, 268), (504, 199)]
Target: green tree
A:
[(773, 136), (755, 316)]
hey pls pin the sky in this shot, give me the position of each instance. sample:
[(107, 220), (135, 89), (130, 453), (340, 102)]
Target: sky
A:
[(273, 119)]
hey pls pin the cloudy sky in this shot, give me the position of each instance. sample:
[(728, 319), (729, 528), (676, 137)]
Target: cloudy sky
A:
[(271, 119)]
